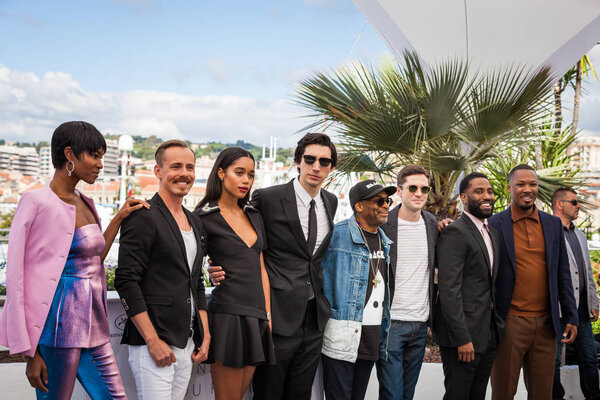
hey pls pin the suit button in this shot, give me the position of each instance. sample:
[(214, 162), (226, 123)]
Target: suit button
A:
[(308, 282), (189, 300), (356, 331)]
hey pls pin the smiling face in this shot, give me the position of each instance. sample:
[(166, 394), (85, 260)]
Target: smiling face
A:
[(238, 177), (414, 201), (177, 173), (87, 166), (523, 187), (313, 175), (369, 214), (479, 198)]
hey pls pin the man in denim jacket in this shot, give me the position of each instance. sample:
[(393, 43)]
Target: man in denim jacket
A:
[(355, 271)]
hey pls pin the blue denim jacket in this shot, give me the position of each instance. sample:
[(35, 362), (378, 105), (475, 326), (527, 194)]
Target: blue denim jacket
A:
[(345, 275)]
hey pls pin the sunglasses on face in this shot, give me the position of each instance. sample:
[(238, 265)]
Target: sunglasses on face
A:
[(380, 201), (573, 202), (324, 162), (424, 189)]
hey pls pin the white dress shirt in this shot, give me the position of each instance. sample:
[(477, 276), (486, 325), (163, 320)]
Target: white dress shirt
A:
[(303, 202)]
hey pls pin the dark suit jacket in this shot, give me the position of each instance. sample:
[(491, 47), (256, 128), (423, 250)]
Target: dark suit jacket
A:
[(465, 309), (290, 266), (557, 262), (390, 228), (153, 274)]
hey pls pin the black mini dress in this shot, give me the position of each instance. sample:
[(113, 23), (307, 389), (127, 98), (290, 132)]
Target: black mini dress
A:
[(239, 328)]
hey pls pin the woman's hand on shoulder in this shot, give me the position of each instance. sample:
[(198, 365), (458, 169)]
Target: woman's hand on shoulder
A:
[(37, 372), (130, 206)]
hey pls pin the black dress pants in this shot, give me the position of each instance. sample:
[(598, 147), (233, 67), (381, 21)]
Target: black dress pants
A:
[(297, 358), (464, 380), (344, 380)]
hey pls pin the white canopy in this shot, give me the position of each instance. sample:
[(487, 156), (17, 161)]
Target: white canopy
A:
[(488, 33)]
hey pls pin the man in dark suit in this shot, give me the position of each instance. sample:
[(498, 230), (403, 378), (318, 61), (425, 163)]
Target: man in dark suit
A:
[(466, 324), (298, 219), (159, 280), (414, 233), (533, 277)]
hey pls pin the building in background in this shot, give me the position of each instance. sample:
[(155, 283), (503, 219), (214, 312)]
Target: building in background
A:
[(46, 167), (20, 159), (111, 159), (586, 156)]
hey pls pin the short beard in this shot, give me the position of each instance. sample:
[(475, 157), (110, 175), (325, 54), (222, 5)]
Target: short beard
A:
[(475, 210)]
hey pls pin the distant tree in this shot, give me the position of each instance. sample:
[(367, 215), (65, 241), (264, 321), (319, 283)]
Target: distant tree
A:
[(7, 219)]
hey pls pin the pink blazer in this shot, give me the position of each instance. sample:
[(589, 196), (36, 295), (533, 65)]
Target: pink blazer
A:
[(38, 245)]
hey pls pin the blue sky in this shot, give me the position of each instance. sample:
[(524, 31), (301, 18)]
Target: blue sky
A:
[(198, 70)]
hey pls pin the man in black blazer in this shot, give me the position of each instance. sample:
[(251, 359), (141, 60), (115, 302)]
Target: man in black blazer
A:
[(467, 327), (298, 219), (159, 280)]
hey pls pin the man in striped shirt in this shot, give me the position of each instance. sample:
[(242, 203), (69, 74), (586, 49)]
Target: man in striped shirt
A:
[(414, 233)]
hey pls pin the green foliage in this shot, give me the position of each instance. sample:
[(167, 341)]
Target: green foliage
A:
[(447, 118), (109, 271), (7, 219)]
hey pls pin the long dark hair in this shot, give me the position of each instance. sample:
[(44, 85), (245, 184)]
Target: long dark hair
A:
[(214, 186)]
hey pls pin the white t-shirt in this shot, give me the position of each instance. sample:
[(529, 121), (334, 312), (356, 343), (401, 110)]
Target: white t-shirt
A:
[(191, 248), (411, 293)]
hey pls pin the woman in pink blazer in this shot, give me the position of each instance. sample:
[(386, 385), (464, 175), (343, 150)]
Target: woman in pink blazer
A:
[(55, 309)]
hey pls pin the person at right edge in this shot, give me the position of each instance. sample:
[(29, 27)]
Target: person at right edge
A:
[(533, 281), (566, 207), (466, 324)]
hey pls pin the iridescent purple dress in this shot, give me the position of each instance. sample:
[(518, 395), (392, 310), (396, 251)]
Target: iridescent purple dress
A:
[(75, 342)]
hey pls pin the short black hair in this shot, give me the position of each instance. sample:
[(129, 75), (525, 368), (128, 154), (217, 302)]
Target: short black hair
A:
[(315, 138), (559, 194), (80, 136), (518, 168), (466, 181)]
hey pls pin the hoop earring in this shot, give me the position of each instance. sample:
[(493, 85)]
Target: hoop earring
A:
[(69, 171)]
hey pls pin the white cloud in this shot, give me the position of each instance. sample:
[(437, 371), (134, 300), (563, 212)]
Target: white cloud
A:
[(31, 107)]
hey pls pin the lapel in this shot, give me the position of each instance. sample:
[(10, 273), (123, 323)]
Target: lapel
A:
[(172, 224), (200, 239), (547, 231), (290, 209), (478, 238), (508, 236), (432, 234), (496, 246), (328, 208)]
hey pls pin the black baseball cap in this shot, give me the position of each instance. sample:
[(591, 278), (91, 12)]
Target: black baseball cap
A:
[(367, 189)]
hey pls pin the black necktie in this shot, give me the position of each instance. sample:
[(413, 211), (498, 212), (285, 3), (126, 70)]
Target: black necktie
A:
[(311, 241)]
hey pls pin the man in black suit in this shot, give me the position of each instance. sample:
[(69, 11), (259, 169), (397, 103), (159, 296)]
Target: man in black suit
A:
[(467, 327), (159, 280), (298, 219)]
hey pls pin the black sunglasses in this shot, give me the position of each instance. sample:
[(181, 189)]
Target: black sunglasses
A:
[(424, 189), (324, 162), (380, 201), (573, 202)]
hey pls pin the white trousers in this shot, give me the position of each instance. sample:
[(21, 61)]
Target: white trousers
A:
[(161, 383)]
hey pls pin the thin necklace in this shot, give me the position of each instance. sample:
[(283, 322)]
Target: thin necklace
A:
[(375, 269)]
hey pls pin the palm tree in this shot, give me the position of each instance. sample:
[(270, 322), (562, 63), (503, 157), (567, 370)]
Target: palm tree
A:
[(448, 118)]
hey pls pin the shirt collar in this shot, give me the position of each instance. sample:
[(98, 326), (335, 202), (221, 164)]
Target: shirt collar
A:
[(570, 227), (303, 194), (517, 214), (478, 223)]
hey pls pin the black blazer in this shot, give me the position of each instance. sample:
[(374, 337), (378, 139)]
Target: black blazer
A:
[(153, 274), (390, 228), (290, 266), (465, 309), (557, 264)]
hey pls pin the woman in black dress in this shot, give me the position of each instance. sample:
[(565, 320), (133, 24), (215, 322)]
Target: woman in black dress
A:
[(239, 309)]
